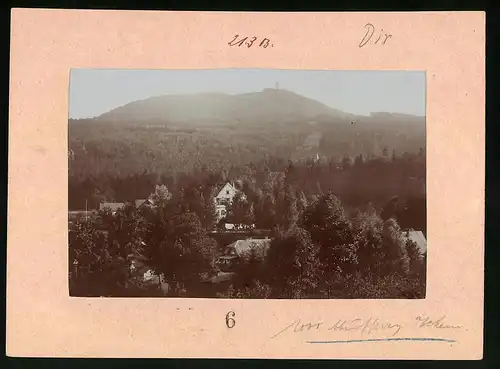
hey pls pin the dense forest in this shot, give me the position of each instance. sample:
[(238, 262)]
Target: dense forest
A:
[(321, 246), (120, 161), (317, 250), (333, 192)]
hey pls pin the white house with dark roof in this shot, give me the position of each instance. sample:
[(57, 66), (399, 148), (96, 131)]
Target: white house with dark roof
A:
[(224, 198), (226, 194)]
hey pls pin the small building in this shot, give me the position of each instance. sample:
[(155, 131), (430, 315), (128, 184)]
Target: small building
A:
[(138, 267), (242, 248), (138, 203), (111, 206), (144, 202), (239, 250), (75, 215)]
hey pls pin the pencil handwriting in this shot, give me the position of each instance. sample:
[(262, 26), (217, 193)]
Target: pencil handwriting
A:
[(426, 322), (300, 327), (364, 326)]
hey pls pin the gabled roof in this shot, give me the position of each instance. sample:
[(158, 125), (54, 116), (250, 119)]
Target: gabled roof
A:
[(228, 184), (244, 246), (417, 237), (139, 202)]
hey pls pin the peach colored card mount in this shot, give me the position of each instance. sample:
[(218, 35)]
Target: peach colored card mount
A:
[(246, 185)]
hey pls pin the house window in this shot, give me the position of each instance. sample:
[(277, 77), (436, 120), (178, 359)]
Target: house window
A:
[(227, 192), (223, 213)]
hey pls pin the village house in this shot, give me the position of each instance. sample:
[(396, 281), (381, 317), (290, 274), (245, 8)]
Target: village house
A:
[(115, 206), (74, 215), (241, 249), (139, 268), (111, 206), (224, 199), (144, 202), (140, 202)]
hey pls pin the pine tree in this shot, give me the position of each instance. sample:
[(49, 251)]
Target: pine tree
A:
[(292, 264), (265, 212), (291, 215), (209, 214), (302, 202), (96, 270), (241, 211), (358, 161), (186, 250), (391, 209), (396, 256), (367, 229), (161, 194), (290, 172), (346, 162), (331, 231), (416, 259), (249, 218)]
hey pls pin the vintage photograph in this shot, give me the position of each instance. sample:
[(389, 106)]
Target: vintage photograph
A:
[(247, 183)]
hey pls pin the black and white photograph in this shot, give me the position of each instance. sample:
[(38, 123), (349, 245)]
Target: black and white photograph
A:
[(247, 183)]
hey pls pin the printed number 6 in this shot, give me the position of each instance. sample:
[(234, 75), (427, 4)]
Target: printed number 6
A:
[(230, 322)]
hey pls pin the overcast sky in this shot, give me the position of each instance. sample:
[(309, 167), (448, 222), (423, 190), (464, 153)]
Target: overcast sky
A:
[(96, 91)]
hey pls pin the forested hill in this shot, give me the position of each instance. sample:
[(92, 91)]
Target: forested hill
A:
[(129, 146), (267, 106), (263, 107), (173, 136)]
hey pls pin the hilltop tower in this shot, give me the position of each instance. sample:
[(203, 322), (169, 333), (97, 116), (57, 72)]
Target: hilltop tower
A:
[(277, 86)]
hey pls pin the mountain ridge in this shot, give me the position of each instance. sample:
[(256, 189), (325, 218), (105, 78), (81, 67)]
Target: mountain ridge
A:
[(266, 106)]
